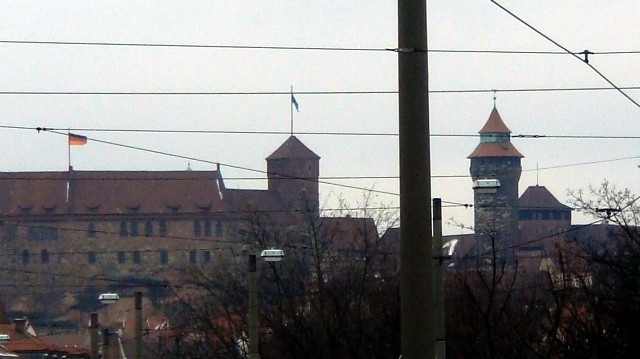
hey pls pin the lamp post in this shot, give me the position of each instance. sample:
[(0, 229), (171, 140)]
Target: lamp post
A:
[(106, 299), (269, 255)]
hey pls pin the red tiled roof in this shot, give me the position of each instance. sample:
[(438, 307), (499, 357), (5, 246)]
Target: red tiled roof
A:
[(266, 203), (113, 192), (292, 148), (495, 124), (495, 149), (343, 230), (539, 197)]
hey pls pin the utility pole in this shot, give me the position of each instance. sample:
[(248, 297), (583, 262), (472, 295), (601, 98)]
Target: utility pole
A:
[(93, 334), (416, 263), (137, 350), (106, 351), (253, 308), (439, 327)]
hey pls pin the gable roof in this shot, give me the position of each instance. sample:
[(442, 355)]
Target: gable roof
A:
[(111, 192), (292, 148), (495, 124), (539, 197)]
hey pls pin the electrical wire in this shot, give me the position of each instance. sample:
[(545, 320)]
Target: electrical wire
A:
[(241, 93), (297, 48), (585, 60), (324, 133)]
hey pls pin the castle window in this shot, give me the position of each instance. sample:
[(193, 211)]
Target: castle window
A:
[(91, 230), (207, 228), (52, 233), (44, 256), (32, 233), (123, 228), (218, 229), (164, 256), (197, 230), (136, 257), (193, 256), (163, 228), (148, 228), (122, 257), (11, 232), (134, 229), (25, 257), (206, 256), (91, 257), (42, 233)]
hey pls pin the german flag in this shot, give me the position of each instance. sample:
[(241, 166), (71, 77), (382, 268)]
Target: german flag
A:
[(77, 140)]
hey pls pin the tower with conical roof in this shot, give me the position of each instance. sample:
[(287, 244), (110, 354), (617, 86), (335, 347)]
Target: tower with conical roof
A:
[(292, 172), (496, 210)]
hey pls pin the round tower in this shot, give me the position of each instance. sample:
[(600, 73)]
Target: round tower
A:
[(496, 208)]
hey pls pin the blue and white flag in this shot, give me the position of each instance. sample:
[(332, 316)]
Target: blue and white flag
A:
[(294, 102)]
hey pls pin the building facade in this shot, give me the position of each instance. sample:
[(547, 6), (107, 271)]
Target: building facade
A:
[(73, 227)]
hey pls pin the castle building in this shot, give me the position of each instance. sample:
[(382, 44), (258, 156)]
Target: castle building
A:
[(67, 227), (496, 209)]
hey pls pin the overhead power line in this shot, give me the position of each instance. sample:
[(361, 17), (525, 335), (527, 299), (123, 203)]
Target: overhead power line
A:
[(298, 48), (308, 133), (586, 53), (288, 93)]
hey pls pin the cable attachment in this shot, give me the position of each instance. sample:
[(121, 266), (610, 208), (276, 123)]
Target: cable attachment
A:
[(406, 50), (586, 54)]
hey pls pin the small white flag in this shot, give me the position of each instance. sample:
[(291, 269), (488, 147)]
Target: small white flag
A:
[(294, 102)]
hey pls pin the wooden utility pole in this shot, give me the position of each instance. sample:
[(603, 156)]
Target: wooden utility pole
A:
[(416, 263)]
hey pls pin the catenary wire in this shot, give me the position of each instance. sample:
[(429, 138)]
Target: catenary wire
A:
[(567, 51), (324, 133), (298, 48), (245, 93)]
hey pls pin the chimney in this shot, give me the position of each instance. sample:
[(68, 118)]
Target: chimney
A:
[(21, 325)]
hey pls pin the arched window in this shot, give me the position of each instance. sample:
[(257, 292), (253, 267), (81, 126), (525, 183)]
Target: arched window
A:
[(25, 257)]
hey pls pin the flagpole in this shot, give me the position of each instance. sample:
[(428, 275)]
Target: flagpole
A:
[(69, 163), (291, 104), (68, 149)]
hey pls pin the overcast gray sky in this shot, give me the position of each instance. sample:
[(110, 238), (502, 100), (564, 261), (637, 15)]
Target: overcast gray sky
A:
[(598, 26)]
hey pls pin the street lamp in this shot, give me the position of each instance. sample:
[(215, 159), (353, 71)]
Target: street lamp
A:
[(268, 255)]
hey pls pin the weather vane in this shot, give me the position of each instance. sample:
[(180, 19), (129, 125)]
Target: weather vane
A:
[(494, 97)]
